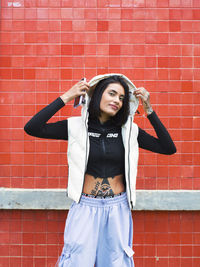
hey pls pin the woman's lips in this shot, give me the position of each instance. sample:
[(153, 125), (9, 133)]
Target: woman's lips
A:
[(114, 107)]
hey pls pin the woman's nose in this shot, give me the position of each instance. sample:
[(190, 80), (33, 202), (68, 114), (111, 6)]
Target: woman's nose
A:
[(117, 100)]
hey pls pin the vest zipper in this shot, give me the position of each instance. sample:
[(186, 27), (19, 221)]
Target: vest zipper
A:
[(86, 152), (104, 149), (129, 162)]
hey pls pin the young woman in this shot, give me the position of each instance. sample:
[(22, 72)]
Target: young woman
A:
[(102, 156)]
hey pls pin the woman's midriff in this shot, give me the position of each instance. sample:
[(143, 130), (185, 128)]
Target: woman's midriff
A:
[(108, 186)]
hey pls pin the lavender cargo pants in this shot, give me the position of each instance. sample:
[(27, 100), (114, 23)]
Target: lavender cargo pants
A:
[(98, 231)]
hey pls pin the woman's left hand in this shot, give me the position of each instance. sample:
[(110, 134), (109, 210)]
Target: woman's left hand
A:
[(144, 95)]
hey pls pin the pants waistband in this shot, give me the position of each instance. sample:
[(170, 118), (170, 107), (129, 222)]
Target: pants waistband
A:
[(101, 197), (102, 202)]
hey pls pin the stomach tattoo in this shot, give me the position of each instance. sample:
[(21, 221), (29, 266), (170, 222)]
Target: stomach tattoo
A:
[(102, 187)]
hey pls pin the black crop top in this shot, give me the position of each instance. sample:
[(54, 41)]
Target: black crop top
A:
[(106, 156)]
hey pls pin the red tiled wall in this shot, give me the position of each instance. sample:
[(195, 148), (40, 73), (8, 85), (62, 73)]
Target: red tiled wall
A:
[(164, 239), (48, 45)]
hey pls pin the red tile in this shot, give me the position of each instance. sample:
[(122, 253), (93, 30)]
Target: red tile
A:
[(149, 251), (150, 261), (28, 238), (157, 38), (4, 181), (163, 62), (186, 251), (186, 3), (15, 238), (187, 86), (186, 238), (196, 262), (52, 261), (66, 13), (174, 3), (186, 38), (150, 62), (15, 261), (163, 14), (66, 25), (162, 26), (151, 14), (40, 238), (91, 38), (195, 26), (4, 238), (152, 3), (187, 159), (174, 26), (127, 14), (149, 238), (27, 261), (68, 3), (4, 261), (30, 13), (174, 224), (78, 50), (196, 38), (196, 62), (102, 25), (52, 250), (174, 238), (196, 250), (174, 62), (195, 14), (40, 261), (66, 74), (54, 13), (175, 38), (5, 62), (114, 13), (6, 13), (15, 250), (163, 262), (125, 3), (90, 13), (40, 250), (90, 26), (114, 49), (174, 251)]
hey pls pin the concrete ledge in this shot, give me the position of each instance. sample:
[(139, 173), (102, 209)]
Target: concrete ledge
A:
[(55, 199)]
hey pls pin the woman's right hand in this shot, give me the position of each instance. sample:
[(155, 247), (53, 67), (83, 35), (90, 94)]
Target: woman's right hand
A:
[(80, 88)]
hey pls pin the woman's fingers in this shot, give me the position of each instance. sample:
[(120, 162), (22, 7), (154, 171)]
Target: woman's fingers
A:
[(142, 93), (83, 86), (80, 88)]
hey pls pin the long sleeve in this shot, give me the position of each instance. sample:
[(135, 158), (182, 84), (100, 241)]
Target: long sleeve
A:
[(37, 126), (163, 144)]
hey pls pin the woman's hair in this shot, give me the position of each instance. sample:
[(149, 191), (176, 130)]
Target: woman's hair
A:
[(94, 107)]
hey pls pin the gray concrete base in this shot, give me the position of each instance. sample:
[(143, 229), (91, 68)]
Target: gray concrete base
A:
[(55, 199)]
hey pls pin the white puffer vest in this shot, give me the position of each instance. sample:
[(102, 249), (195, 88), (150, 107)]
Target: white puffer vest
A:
[(79, 145)]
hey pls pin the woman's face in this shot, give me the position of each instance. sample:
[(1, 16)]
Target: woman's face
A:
[(111, 101)]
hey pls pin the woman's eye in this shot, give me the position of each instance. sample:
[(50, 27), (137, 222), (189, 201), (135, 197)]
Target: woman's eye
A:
[(111, 93)]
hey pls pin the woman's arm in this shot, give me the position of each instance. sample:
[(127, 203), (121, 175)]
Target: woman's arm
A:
[(163, 144), (38, 125)]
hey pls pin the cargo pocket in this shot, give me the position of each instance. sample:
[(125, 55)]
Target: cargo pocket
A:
[(64, 258), (129, 251)]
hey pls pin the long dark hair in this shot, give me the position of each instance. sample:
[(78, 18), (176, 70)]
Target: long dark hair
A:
[(94, 107)]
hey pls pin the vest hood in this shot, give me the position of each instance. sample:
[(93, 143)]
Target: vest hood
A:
[(134, 102)]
